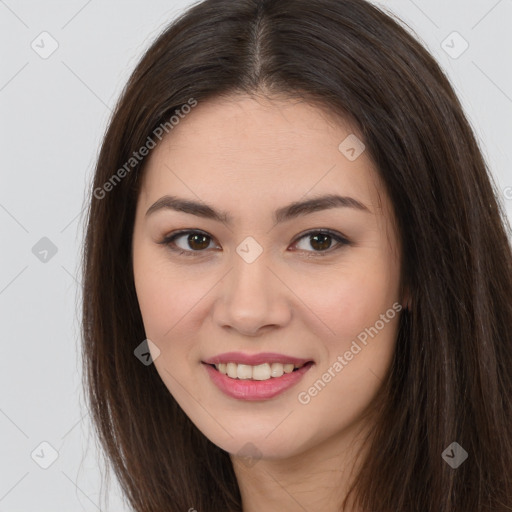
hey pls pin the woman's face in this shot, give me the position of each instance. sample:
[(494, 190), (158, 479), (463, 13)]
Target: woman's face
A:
[(267, 278)]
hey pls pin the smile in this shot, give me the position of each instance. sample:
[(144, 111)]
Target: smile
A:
[(263, 371), (260, 382)]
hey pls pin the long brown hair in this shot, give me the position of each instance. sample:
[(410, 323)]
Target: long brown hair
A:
[(451, 376)]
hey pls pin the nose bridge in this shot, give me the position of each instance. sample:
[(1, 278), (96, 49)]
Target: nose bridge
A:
[(249, 287), (251, 298)]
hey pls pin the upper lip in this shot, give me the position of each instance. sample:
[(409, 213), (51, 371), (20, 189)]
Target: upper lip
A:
[(255, 359)]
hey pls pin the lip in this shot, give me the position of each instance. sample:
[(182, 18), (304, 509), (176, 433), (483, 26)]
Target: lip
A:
[(248, 389), (254, 359)]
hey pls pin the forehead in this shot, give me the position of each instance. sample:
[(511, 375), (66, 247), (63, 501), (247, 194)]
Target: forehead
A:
[(255, 147), (259, 127)]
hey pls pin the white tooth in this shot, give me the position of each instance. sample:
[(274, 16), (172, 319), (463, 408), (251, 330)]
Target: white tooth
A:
[(244, 371), (288, 368), (261, 372), (276, 370), (231, 370)]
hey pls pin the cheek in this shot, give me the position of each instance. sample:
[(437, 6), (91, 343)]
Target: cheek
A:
[(356, 358), (352, 301), (172, 301), (162, 295), (153, 295)]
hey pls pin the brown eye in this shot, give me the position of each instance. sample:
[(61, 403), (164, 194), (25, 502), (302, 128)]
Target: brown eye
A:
[(191, 242), (197, 241), (322, 241)]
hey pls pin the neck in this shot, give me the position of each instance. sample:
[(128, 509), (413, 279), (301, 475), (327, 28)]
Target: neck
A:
[(317, 478)]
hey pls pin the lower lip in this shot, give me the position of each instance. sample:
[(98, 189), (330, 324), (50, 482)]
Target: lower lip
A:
[(247, 389)]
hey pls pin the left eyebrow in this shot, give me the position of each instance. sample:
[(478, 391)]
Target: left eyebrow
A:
[(291, 211)]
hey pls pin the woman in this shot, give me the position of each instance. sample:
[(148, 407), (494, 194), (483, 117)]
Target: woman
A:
[(292, 220)]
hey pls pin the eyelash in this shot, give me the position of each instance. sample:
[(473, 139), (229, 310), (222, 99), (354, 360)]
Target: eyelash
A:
[(342, 241)]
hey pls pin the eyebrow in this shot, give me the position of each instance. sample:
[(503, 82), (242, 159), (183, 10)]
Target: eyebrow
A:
[(291, 211)]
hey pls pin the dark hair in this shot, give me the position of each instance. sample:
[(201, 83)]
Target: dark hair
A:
[(451, 376)]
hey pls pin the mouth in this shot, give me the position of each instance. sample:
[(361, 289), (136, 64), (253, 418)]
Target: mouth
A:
[(260, 372), (261, 382)]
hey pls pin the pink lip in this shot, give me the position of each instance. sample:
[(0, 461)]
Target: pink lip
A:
[(254, 359), (248, 389)]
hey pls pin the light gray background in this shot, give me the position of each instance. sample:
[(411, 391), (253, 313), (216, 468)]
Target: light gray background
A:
[(53, 114)]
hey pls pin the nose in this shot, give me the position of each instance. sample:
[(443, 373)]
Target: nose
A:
[(252, 298)]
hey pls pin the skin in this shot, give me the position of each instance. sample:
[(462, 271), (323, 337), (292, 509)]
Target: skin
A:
[(249, 156)]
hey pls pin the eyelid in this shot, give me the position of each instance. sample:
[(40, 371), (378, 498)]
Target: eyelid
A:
[(338, 237)]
